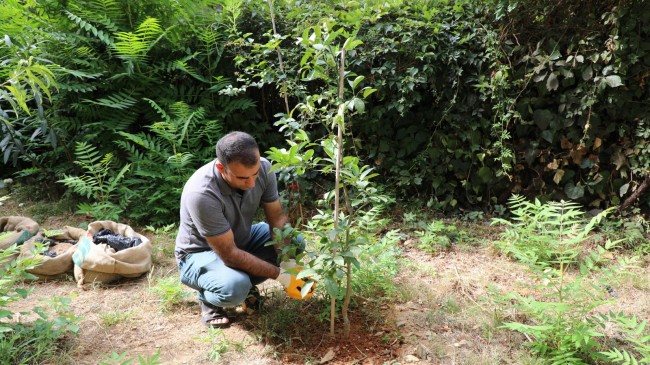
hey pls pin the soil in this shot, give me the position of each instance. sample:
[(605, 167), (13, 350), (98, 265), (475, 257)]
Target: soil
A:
[(440, 315)]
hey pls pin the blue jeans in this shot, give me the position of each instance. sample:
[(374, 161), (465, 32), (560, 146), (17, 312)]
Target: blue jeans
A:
[(221, 285)]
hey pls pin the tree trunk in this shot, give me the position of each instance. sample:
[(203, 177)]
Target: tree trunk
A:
[(644, 186)]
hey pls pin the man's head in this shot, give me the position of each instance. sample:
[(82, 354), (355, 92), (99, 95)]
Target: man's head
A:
[(238, 160)]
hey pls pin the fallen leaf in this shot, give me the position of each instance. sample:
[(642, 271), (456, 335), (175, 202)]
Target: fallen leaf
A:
[(460, 343), (559, 174), (597, 143), (329, 356)]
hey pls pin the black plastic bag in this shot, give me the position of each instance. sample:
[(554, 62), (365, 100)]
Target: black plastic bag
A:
[(116, 241)]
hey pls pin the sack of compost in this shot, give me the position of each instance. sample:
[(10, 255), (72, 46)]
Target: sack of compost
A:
[(57, 258), (110, 251), (15, 229)]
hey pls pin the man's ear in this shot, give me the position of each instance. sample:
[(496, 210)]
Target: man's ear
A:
[(220, 167)]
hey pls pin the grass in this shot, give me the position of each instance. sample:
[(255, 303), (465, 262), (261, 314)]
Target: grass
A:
[(220, 344), (170, 291), (108, 319)]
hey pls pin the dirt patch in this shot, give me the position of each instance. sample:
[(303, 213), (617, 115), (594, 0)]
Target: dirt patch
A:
[(441, 315)]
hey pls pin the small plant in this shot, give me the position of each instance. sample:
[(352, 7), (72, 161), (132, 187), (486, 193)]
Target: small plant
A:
[(171, 292), (220, 344), (30, 342), (349, 207), (438, 236), (98, 184), (573, 281), (122, 359), (109, 319), (473, 216)]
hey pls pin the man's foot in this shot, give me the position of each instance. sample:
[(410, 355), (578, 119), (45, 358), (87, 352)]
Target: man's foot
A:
[(217, 322), (213, 316), (252, 303)]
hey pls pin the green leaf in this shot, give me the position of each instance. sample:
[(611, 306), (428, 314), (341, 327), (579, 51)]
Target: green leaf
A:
[(367, 91), (5, 313), (552, 83), (351, 43), (587, 73), (574, 192), (356, 81), (306, 288), (613, 81), (542, 118), (623, 189), (485, 173), (305, 273)]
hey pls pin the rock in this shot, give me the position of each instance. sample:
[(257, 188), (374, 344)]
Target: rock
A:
[(409, 243)]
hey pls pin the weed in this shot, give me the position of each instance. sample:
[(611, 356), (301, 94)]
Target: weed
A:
[(473, 216), (122, 359), (171, 292), (167, 230), (109, 319), (221, 344), (30, 342), (99, 184), (450, 305), (439, 236), (277, 321), (375, 278)]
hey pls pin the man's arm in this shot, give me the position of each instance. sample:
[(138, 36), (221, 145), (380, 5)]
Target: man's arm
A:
[(232, 256), (275, 217)]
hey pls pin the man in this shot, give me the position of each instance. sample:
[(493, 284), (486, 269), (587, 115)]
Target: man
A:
[(220, 252)]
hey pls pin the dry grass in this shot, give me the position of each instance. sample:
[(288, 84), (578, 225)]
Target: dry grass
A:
[(442, 314)]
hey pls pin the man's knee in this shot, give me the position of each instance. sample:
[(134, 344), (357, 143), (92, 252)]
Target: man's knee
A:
[(229, 292)]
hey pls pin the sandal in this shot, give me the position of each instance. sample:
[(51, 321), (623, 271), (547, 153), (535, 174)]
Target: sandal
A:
[(213, 313)]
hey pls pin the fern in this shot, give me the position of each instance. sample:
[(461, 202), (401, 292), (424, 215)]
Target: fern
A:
[(134, 46), (87, 26), (96, 184), (549, 238), (118, 100), (636, 334)]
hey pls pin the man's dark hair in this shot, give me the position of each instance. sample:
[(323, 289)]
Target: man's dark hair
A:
[(237, 147)]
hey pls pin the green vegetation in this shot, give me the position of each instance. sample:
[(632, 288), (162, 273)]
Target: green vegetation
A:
[(123, 359), (445, 107), (457, 104), (34, 341), (171, 292), (561, 314)]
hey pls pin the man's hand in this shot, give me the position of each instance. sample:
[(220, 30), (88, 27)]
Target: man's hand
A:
[(292, 285)]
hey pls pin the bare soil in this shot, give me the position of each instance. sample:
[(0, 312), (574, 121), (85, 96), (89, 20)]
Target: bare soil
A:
[(441, 315)]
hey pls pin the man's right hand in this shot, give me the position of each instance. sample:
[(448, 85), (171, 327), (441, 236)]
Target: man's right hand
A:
[(288, 278)]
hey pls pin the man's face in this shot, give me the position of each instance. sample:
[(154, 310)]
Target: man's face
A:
[(239, 176)]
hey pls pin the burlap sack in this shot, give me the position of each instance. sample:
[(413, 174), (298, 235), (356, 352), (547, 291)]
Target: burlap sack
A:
[(54, 267), (16, 229), (100, 263)]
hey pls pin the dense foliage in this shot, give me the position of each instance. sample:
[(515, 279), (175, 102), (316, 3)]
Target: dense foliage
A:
[(474, 100)]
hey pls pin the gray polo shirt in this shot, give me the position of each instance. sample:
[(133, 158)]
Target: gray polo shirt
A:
[(210, 207)]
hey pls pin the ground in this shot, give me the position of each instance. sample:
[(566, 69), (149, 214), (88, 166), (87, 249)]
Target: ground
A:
[(440, 315)]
